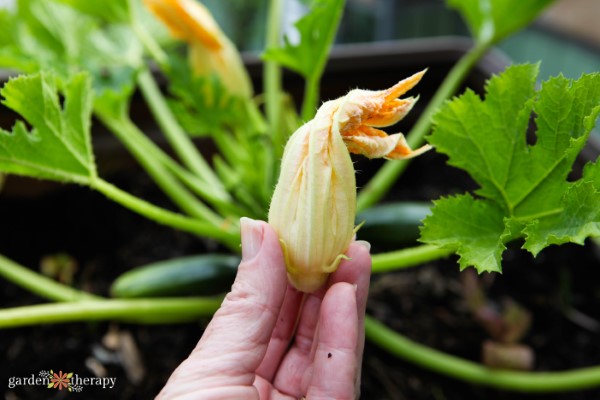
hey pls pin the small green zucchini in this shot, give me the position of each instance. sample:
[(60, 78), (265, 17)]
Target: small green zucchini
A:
[(199, 275), (392, 223)]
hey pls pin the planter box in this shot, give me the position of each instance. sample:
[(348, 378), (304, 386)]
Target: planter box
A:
[(424, 303)]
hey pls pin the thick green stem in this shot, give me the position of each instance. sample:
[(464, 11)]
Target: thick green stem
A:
[(143, 311), (406, 258), (380, 184), (179, 140), (129, 135), (434, 360), (40, 284), (165, 217)]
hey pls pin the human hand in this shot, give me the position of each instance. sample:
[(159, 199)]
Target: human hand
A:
[(252, 348)]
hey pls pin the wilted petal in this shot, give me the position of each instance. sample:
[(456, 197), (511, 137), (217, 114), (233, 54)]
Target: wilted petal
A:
[(362, 111)]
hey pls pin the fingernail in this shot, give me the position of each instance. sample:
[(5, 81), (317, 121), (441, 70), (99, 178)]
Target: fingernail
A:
[(355, 286), (365, 244), (252, 237)]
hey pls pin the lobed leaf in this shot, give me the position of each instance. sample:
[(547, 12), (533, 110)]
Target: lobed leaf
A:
[(47, 35), (59, 145), (526, 182), (476, 227)]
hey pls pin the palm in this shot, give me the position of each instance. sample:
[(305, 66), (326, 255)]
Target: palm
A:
[(269, 341)]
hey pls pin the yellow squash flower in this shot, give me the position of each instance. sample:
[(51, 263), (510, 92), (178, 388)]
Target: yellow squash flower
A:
[(210, 50), (314, 203)]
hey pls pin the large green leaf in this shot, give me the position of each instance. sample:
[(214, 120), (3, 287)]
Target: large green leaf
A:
[(46, 35), (58, 147), (493, 20), (527, 183)]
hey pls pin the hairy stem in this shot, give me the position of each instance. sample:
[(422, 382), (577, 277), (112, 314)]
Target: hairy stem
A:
[(434, 360), (381, 183), (39, 284), (143, 311)]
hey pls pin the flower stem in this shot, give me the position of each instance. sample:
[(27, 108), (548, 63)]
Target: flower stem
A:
[(273, 92), (311, 96), (313, 81), (143, 311), (384, 179), (162, 216), (434, 360), (179, 140), (406, 258), (39, 284)]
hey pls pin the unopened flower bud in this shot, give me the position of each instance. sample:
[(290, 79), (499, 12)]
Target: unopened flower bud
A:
[(314, 203)]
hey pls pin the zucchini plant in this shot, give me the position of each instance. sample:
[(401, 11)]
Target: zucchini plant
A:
[(77, 60)]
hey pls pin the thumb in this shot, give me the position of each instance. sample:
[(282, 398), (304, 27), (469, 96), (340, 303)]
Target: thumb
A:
[(235, 342)]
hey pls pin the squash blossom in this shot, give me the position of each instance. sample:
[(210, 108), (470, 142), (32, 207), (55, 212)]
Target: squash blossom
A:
[(314, 203), (210, 51)]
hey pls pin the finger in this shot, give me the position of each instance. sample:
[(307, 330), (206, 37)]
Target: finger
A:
[(234, 343), (282, 334), (358, 272), (291, 372), (335, 365), (355, 271)]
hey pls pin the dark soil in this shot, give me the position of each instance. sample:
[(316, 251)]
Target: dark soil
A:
[(424, 303)]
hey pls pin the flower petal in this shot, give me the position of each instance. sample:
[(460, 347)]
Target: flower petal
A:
[(360, 112), (187, 20)]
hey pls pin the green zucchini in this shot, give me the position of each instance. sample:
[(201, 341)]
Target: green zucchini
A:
[(392, 224), (199, 275)]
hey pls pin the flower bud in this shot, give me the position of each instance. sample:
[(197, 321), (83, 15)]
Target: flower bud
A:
[(210, 50), (314, 203)]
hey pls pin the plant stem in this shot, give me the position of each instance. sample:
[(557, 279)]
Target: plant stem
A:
[(179, 140), (39, 284), (434, 360), (272, 75), (130, 135), (144, 311), (162, 216), (406, 258), (383, 180), (313, 81), (311, 97), (153, 48)]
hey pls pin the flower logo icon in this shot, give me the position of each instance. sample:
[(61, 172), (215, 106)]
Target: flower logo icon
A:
[(60, 380)]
